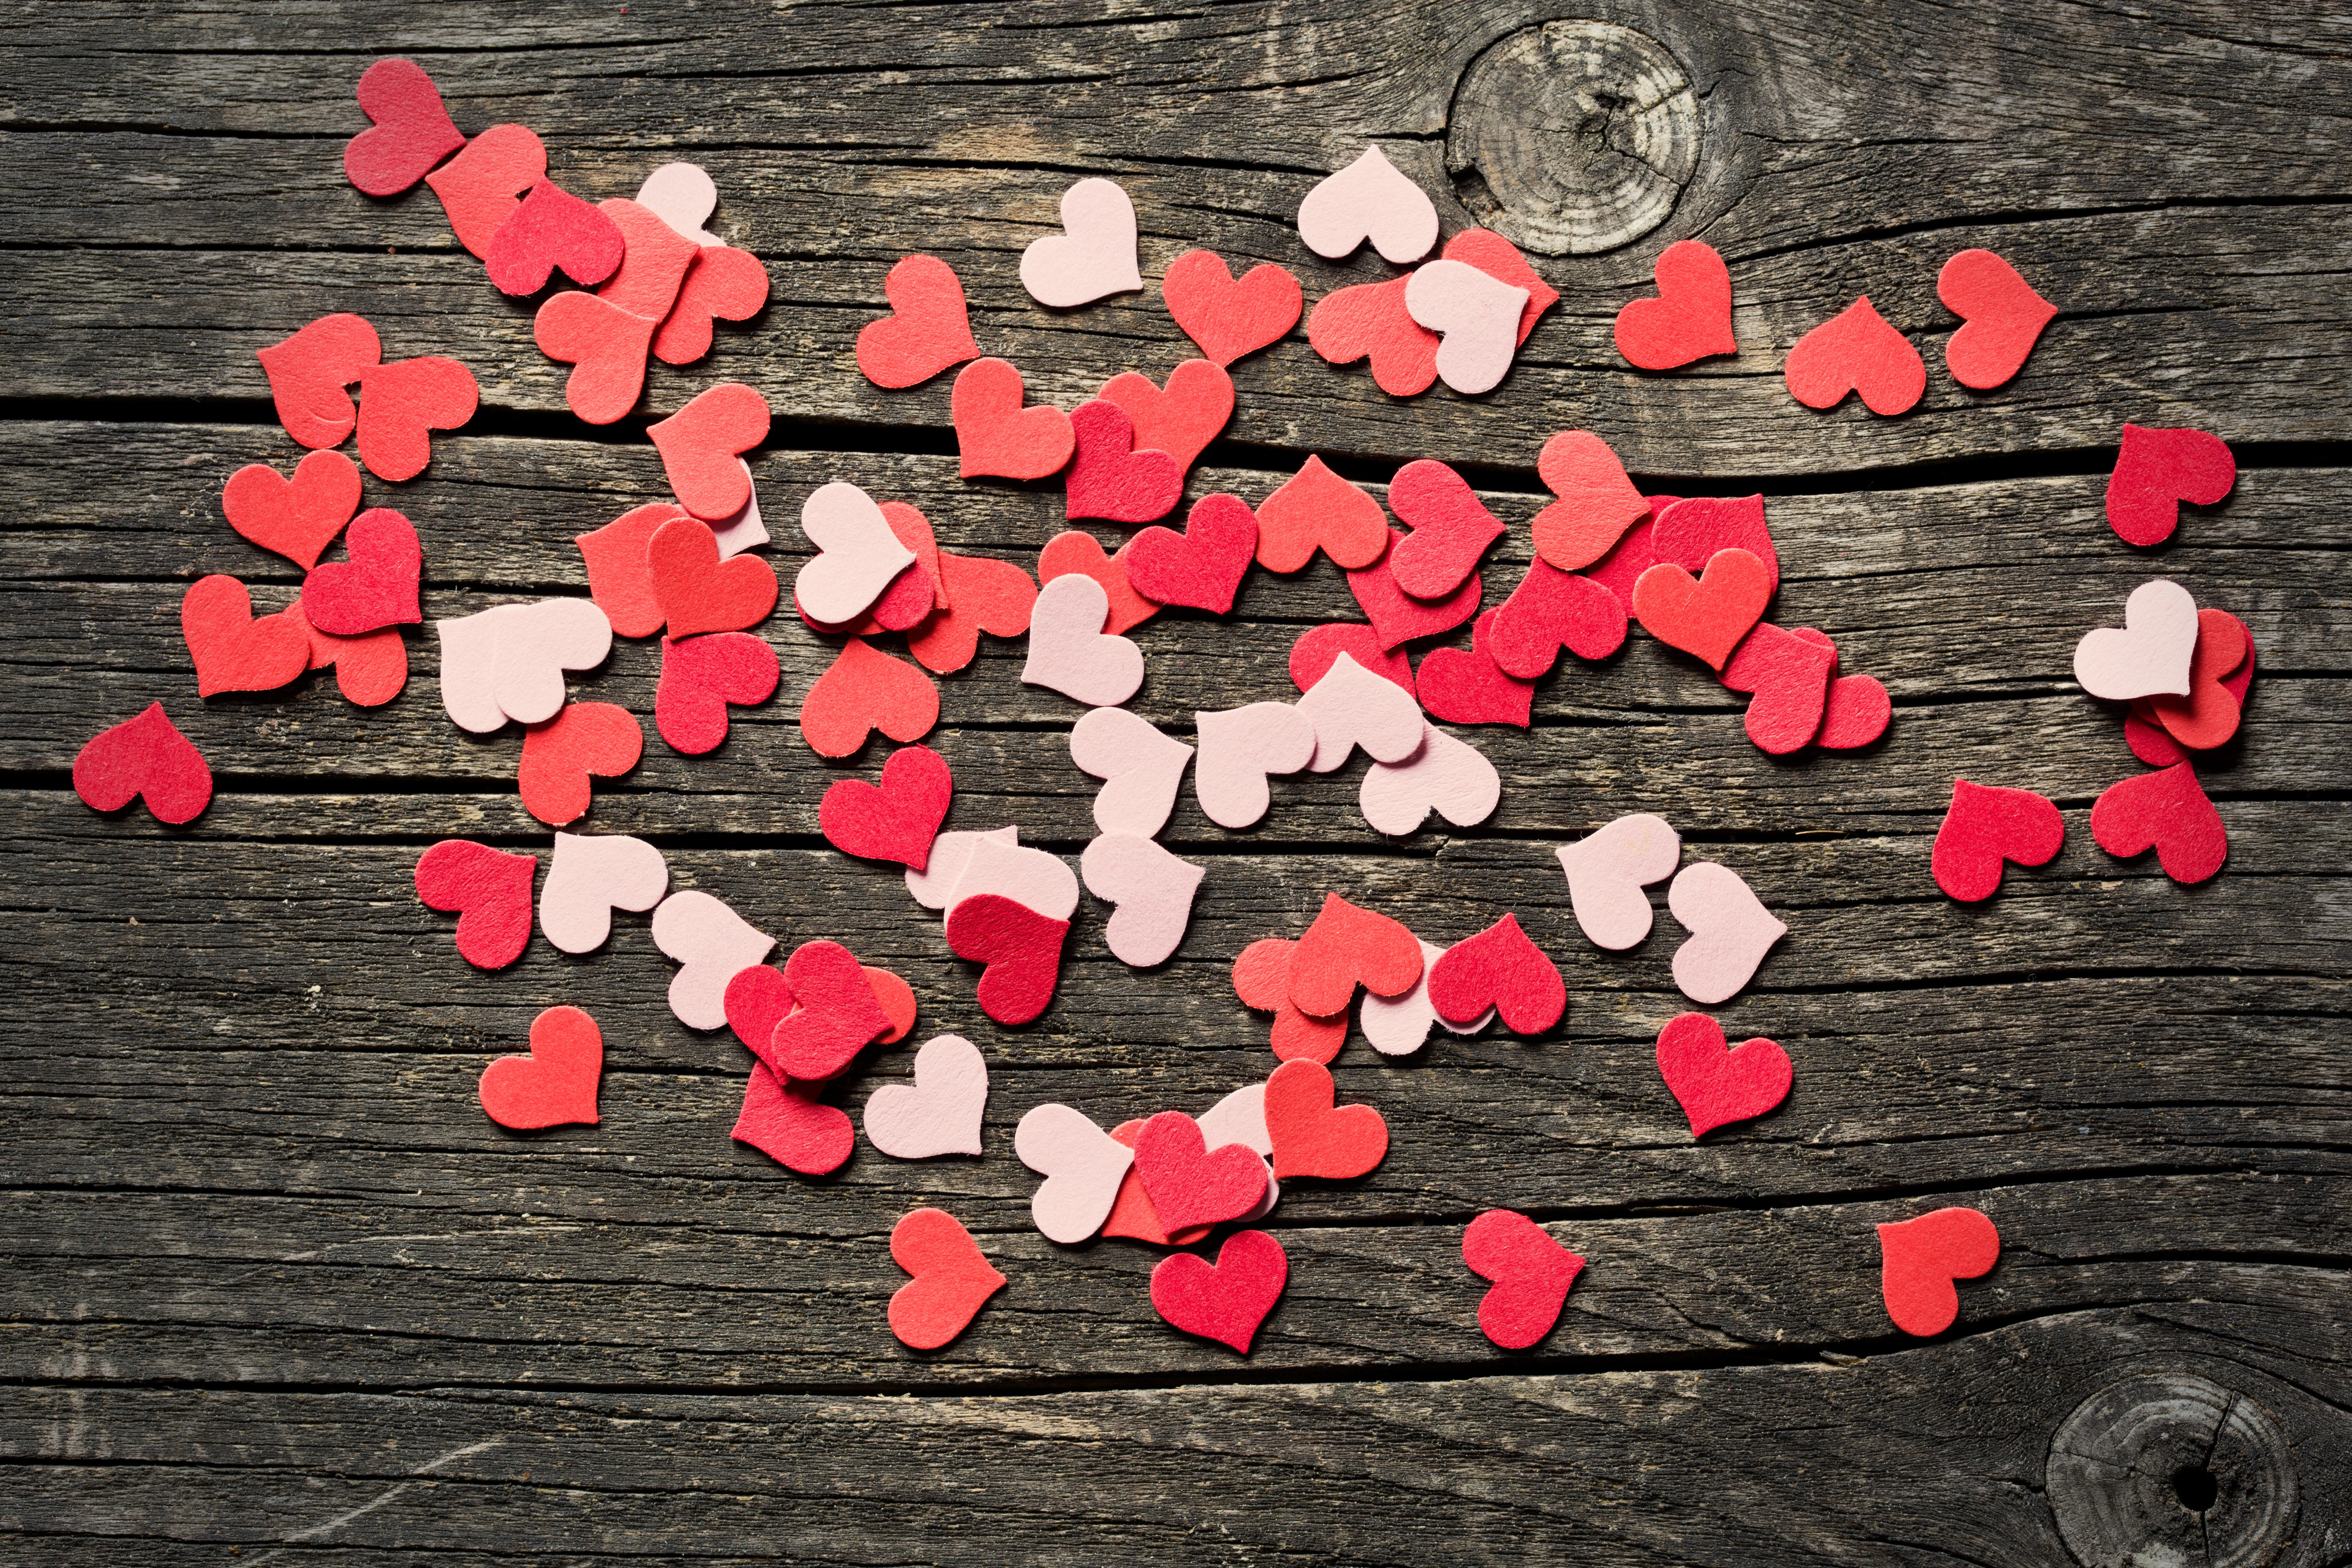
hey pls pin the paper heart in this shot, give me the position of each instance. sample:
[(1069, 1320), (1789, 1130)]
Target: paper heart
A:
[(588, 878), (1731, 930), (618, 578), (1230, 317), (1635, 553), (1446, 775), (2154, 471), (1203, 566), (699, 592), (1856, 350), (307, 373), (1037, 881), (1985, 826), (2151, 654), (1316, 509), (1499, 968), (992, 596), (585, 740), (1550, 610), (929, 330), (1153, 889), (1082, 1164), (489, 892), (298, 517), (1109, 477), (1180, 420), (533, 645), (1075, 551), (1531, 1274), (1399, 1025), (1143, 769), (1706, 616), (758, 999), (683, 196), (866, 689), (470, 645), (701, 446), (1312, 656), (1691, 317), (858, 555), (606, 344), (995, 435), (712, 944), (232, 651), (1477, 317), (1192, 1184), (1371, 321), (952, 1279), (899, 607), (1239, 748), (1092, 256), (1262, 981), (724, 284), (2208, 716), (555, 1085), (1399, 619), (1133, 1216), (1499, 259), (940, 1112), (1597, 503), (1351, 707), (401, 404), (2002, 318), (1690, 534), (552, 228), (1070, 653), (654, 260), (481, 186), (1450, 529), (376, 587), (410, 132), (1607, 870), (1346, 946), (1312, 1138), (1716, 1083), (897, 999), (1021, 948), (1228, 1303), (1857, 710), (1471, 688), (1789, 679), (147, 757), (369, 669), (898, 819), (933, 887), (1370, 199), (2168, 812), (701, 678), (838, 1018), (1920, 1258), (787, 1123)]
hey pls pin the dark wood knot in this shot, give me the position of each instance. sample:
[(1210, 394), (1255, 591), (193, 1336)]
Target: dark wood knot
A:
[(1572, 137), (2170, 1470)]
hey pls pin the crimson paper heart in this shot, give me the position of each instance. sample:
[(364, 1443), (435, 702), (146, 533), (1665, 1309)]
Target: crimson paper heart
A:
[(788, 1124), (1192, 1184), (1450, 529), (553, 228), (1500, 968), (1312, 656), (2156, 471), (1109, 479), (1225, 1303), (896, 820), (1789, 677), (377, 586), (1716, 1083), (411, 133), (1986, 825), (145, 757), (1550, 610), (1022, 950), (1398, 617), (1311, 1136), (1531, 1272), (488, 890), (838, 1015), (1203, 565), (700, 676), (2168, 812), (1472, 687)]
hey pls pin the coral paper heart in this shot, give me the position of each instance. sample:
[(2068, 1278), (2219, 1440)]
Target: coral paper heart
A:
[(1920, 1258), (1110, 479), (1607, 870), (699, 592), (1500, 968), (307, 373), (1227, 316), (1192, 1184), (588, 877), (145, 756), (2002, 318), (996, 435), (1396, 617), (2154, 471), (712, 944), (701, 447), (1070, 653), (1240, 747), (789, 1124), (411, 129), (866, 689), (376, 587), (1225, 1303), (489, 892), (1152, 890), (928, 328), (1143, 770), (838, 1015), (1203, 566), (401, 404), (481, 186), (1469, 687), (2168, 812), (701, 678), (2150, 654), (1597, 503), (1316, 509), (1311, 1136), (724, 284), (2208, 715), (1346, 946), (940, 1112), (1531, 1274), (1731, 930), (1074, 551), (1475, 316), (1370, 199), (1789, 677), (953, 1279), (369, 669), (585, 740), (1985, 826), (1093, 255), (896, 820), (654, 260), (231, 650), (1451, 529), (1550, 610), (1690, 533), (619, 579), (1021, 948), (1856, 710), (299, 517), (555, 1085), (1082, 1164), (1856, 350), (992, 596), (1316, 650), (1691, 317), (553, 228), (1370, 319), (1183, 419), (1716, 1083), (1446, 775), (860, 555), (604, 343), (1262, 981), (1705, 617)]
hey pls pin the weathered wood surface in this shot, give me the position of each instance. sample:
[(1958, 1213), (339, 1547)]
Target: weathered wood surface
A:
[(274, 1284)]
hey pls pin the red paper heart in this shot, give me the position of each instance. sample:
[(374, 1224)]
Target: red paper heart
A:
[(1705, 618), (1549, 610), (1789, 678), (1471, 688), (1180, 420), (144, 756), (981, 595), (866, 690), (2166, 812), (1856, 710), (1921, 1257), (1691, 317), (700, 593), (1690, 533), (1022, 950), (787, 1123), (1985, 826), (1346, 946), (1131, 1214), (555, 1085), (1370, 319), (898, 819), (401, 404), (481, 186), (1450, 529), (700, 676), (2218, 674), (1312, 656), (1316, 509), (1203, 565), (1313, 1138), (725, 284), (411, 133), (1078, 552), (1396, 617), (559, 757), (1531, 1272), (618, 578), (489, 892), (308, 370), (231, 650), (1230, 317), (838, 1015), (1262, 981), (1597, 503), (1856, 350), (1228, 1303), (702, 448), (654, 259), (1635, 553), (758, 999), (369, 669), (952, 1279), (606, 344), (1192, 1184), (553, 228), (2156, 470), (929, 330), (995, 434), (1108, 478), (298, 517), (1714, 1082), (1500, 968), (377, 586), (2002, 318)]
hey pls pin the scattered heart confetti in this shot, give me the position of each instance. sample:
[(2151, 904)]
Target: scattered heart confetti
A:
[(1143, 770), (2165, 811), (1716, 1083), (838, 1015), (489, 892), (1690, 533), (1311, 1137), (712, 944), (1450, 529), (1731, 930), (788, 1124), (1530, 1271), (401, 404), (1153, 889), (1789, 677), (1502, 968), (699, 592), (1468, 687), (369, 669), (866, 690), (1188, 1183), (1093, 255), (1313, 509), (618, 578), (1021, 948), (604, 342), (940, 1112), (1399, 1025), (725, 284), (1396, 617), (683, 196), (553, 228), (1230, 317), (2154, 471), (1920, 1258), (1228, 1303), (929, 330), (1550, 610), (585, 740), (411, 129), (377, 586), (555, 1085), (1856, 350), (1201, 567), (1346, 946), (1689, 320), (1706, 616), (953, 1279), (2002, 318), (996, 435), (1498, 258), (1857, 710), (858, 554), (1070, 653), (1109, 478), (1597, 503), (1448, 776), (307, 373), (1132, 1214), (588, 878), (701, 446), (1351, 707), (1079, 553), (701, 678), (1082, 1166), (233, 650), (1180, 420), (896, 820), (1475, 316), (934, 886), (533, 646), (1607, 870), (1262, 981), (481, 186), (2150, 654), (298, 517), (1370, 199), (1312, 656), (992, 596)]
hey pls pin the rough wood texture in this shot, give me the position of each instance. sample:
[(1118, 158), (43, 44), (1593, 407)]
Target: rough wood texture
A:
[(276, 1284)]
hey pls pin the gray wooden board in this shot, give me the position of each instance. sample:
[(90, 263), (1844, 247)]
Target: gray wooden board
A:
[(278, 1286)]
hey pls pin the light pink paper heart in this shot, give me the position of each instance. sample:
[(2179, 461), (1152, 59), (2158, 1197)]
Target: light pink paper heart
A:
[(1399, 1025), (1476, 315), (940, 1112), (1370, 199), (470, 646), (2150, 654), (1069, 652), (684, 197), (1093, 255), (1030, 878), (1082, 1164), (1351, 707), (531, 648), (1241, 747), (1607, 870), (588, 877), (744, 529), (857, 555), (1153, 889), (712, 946), (1240, 1118), (1451, 777), (1143, 769), (1731, 930), (934, 885)]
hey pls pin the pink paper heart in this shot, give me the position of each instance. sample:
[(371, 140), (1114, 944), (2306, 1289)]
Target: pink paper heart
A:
[(1351, 707), (940, 1112), (1093, 255), (1069, 652), (712, 944), (1730, 930), (1607, 870), (1370, 199), (1475, 314), (858, 555), (1142, 767), (1446, 775), (934, 885), (2150, 654), (1082, 1164), (1153, 889), (588, 878), (533, 646), (1031, 877), (1241, 747), (683, 196)]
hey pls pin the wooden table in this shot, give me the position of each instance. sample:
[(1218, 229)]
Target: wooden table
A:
[(280, 1292)]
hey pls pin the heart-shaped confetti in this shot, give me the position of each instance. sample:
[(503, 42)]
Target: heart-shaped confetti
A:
[(1789, 677), (553, 228), (2151, 653), (838, 1015), (1083, 1167), (1689, 320), (701, 678), (369, 669), (1346, 946), (940, 1112), (1229, 1301), (683, 196), (307, 374), (604, 343), (1731, 930), (618, 578), (1550, 610), (1445, 775), (1351, 707), (1499, 968), (1262, 981), (234, 651), (1398, 617), (586, 740), (724, 284), (377, 586), (555, 1085), (588, 878), (654, 262), (896, 820), (2154, 471), (1230, 317), (1109, 478), (1313, 509), (1475, 316), (1920, 1258), (1312, 1137), (1180, 420), (1021, 948), (533, 645), (858, 554), (1239, 748), (1597, 503), (1469, 687), (1498, 258), (1201, 567), (980, 596), (1399, 1025), (481, 186), (1691, 532), (866, 689), (411, 129), (712, 944), (1312, 656), (1986, 825), (1370, 199), (1153, 890), (2165, 811), (1092, 256), (1141, 769), (1369, 321), (1070, 653), (1857, 709), (701, 447), (1030, 878), (489, 892), (952, 1279), (1450, 529), (1856, 350), (1706, 616), (1716, 1083), (996, 435), (699, 592), (927, 330), (2002, 318), (1607, 870), (1190, 1184), (788, 1124), (299, 517), (1531, 1274), (401, 404), (2208, 716)]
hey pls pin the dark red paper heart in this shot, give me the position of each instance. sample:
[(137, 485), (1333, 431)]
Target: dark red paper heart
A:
[(1190, 1184), (2165, 811), (411, 129), (144, 756), (1689, 532), (488, 890), (2156, 470), (1500, 968), (700, 676), (788, 1124), (1450, 529), (1397, 617), (1228, 1303), (896, 820), (838, 1015), (1201, 567), (1022, 950), (553, 228), (1531, 1271), (1985, 826), (1108, 478), (1471, 688), (377, 586)]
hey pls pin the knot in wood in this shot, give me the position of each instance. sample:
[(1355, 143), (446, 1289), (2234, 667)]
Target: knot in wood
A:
[(1572, 137), (2171, 1470)]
